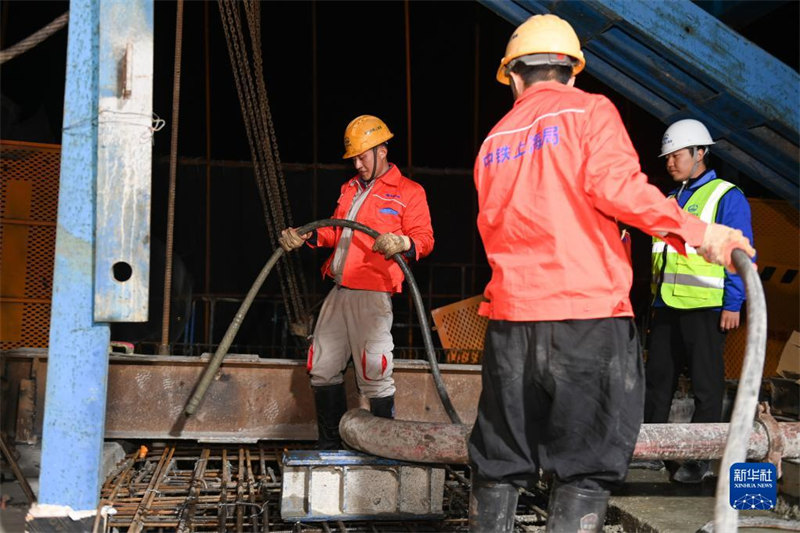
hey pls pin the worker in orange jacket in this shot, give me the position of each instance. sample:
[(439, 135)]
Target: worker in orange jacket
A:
[(356, 316), (562, 375)]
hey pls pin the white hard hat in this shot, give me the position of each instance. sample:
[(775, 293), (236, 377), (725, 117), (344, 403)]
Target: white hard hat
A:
[(684, 133)]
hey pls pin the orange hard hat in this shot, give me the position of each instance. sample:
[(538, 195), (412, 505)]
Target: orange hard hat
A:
[(543, 35), (363, 133)]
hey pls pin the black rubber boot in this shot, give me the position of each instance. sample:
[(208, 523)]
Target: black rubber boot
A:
[(692, 472), (492, 507), (331, 404), (574, 509), (382, 407)]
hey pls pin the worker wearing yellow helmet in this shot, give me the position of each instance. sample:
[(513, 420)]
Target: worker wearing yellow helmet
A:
[(356, 316), (542, 40), (562, 382)]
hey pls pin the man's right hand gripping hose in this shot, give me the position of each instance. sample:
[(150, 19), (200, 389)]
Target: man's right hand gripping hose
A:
[(291, 240), (720, 241)]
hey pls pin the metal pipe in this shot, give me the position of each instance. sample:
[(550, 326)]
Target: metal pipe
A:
[(707, 441), (207, 69), (215, 362), (431, 442), (744, 407), (163, 348)]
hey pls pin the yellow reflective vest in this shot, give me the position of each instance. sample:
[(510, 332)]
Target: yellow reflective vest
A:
[(690, 282)]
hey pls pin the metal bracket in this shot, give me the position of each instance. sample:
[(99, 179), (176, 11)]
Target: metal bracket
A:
[(127, 72), (124, 161), (775, 441)]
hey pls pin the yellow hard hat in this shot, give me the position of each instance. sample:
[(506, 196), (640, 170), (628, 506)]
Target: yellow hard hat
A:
[(363, 133), (543, 34)]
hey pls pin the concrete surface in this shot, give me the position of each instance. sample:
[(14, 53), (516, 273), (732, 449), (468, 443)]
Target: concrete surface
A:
[(650, 502)]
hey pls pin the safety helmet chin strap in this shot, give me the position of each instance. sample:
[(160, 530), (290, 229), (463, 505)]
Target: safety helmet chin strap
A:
[(374, 163), (513, 87), (695, 161), (694, 167)]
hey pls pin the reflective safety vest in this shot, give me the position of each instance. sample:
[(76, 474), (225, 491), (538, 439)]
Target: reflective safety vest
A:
[(690, 282)]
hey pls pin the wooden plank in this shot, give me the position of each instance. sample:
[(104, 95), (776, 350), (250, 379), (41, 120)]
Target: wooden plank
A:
[(26, 407)]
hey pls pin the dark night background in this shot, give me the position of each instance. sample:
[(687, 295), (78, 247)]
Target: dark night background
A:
[(361, 68)]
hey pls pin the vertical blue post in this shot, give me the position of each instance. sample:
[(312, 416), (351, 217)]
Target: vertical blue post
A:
[(103, 218), (77, 368)]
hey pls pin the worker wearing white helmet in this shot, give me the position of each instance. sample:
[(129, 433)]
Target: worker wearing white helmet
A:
[(563, 378), (695, 303), (356, 316)]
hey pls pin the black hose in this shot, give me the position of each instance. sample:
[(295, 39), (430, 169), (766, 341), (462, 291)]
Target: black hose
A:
[(222, 349), (744, 408)]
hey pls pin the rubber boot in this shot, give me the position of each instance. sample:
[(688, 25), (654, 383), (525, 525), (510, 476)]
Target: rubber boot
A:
[(693, 472), (492, 507), (331, 404), (382, 407), (573, 509)]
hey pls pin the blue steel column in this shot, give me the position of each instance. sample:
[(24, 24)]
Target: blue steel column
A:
[(75, 401)]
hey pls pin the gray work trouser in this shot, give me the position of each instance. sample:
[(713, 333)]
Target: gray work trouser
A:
[(359, 323)]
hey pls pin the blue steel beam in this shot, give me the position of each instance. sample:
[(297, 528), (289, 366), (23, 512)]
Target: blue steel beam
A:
[(627, 51), (510, 11), (75, 400), (763, 148), (680, 28), (659, 107)]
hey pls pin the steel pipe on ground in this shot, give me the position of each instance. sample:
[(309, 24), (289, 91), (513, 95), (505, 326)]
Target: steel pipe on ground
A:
[(429, 442)]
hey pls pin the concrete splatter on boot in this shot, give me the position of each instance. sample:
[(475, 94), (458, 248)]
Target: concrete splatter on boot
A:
[(492, 507), (573, 509)]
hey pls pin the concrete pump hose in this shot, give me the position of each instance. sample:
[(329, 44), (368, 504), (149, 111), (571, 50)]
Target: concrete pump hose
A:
[(215, 362), (744, 407)]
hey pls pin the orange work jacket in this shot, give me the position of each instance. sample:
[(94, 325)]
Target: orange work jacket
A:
[(553, 178), (395, 204)]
